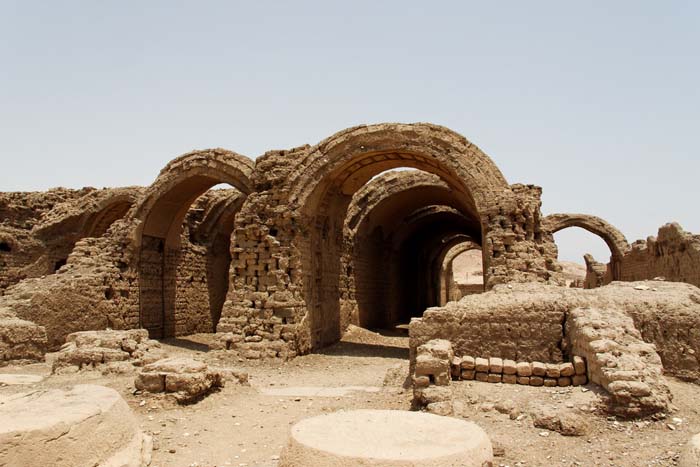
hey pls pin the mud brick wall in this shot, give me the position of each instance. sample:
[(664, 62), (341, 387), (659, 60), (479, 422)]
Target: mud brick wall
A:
[(38, 230), (515, 248), (372, 277), (264, 304), (499, 370), (673, 254), (619, 361), (504, 326), (192, 307), (21, 256), (95, 290)]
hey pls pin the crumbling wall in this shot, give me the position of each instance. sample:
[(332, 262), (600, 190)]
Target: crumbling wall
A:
[(515, 247), (39, 230), (95, 290), (597, 274), (499, 323), (264, 305), (527, 321), (629, 333), (673, 254), (21, 256), (619, 361)]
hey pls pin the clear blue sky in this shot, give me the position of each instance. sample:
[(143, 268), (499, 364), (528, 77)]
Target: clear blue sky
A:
[(597, 102)]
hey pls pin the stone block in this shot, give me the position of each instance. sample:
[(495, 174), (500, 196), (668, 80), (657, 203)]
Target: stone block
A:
[(495, 365), (524, 368), (438, 348), (456, 367), (494, 378), (481, 365), (536, 381), (510, 379), (421, 381), (551, 382), (481, 376), (525, 380), (552, 370), (566, 369), (579, 365), (468, 363), (539, 369), (579, 380), (564, 381), (509, 367), (427, 365), (468, 374), (150, 382)]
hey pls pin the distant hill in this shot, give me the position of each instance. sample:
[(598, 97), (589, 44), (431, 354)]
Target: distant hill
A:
[(468, 269), (573, 271)]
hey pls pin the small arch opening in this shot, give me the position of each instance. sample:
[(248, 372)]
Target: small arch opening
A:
[(582, 256)]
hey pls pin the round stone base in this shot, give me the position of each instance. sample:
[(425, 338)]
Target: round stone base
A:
[(691, 454), (84, 426), (386, 438)]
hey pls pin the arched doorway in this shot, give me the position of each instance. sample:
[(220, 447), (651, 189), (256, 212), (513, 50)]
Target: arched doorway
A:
[(338, 167), (613, 238), (161, 213)]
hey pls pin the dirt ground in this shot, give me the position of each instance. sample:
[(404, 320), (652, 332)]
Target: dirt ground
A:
[(248, 425)]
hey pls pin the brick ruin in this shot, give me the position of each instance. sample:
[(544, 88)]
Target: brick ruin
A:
[(303, 243)]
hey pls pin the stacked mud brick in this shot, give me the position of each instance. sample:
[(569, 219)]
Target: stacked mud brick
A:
[(431, 380), (498, 370)]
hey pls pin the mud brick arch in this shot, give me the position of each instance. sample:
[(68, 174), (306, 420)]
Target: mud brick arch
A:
[(160, 214), (381, 217), (323, 183), (446, 267), (88, 216), (612, 236)]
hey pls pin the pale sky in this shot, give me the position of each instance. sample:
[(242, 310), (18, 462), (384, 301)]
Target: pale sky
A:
[(597, 102)]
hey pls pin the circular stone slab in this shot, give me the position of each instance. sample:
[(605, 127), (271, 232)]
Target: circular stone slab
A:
[(85, 426), (386, 438), (691, 454), (10, 379)]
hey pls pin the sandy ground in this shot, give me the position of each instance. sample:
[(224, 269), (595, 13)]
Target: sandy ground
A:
[(248, 425)]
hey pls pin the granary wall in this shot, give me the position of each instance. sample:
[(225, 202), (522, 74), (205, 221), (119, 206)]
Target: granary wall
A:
[(22, 255), (297, 275), (515, 249), (528, 321), (264, 301), (39, 230), (673, 254)]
